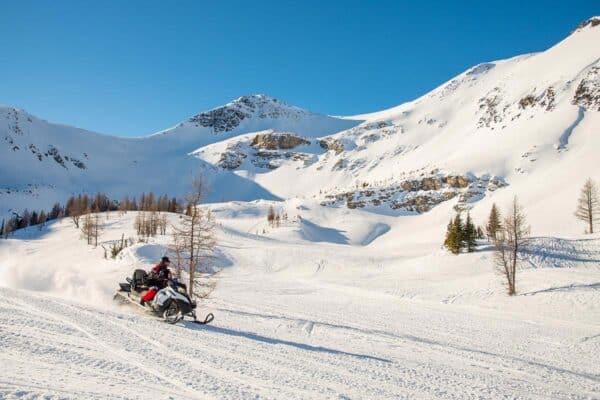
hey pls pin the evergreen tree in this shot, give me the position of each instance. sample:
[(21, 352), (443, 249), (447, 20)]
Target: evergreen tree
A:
[(454, 235), (57, 211), (448, 239), (25, 219), (2, 229), (494, 225), (459, 232), (470, 234), (33, 220), (42, 219)]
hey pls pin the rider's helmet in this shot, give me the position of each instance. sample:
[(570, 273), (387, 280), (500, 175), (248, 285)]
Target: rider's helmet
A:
[(165, 260)]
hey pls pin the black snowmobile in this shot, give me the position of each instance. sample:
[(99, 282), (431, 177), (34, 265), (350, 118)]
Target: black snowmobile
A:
[(172, 302)]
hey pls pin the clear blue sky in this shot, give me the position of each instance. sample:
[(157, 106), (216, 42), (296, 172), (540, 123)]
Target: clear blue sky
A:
[(134, 67)]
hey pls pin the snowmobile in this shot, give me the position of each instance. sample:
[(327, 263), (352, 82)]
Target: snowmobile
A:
[(172, 302)]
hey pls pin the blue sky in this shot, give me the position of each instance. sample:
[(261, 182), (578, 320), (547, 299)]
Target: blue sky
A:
[(131, 68)]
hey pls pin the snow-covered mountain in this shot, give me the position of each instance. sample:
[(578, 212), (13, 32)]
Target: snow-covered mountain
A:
[(43, 162), (342, 292), (528, 123)]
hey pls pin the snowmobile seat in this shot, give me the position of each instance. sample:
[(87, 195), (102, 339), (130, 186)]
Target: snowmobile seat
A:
[(125, 287), (139, 280)]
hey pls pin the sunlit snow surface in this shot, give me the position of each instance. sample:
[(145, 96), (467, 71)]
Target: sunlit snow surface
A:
[(335, 303)]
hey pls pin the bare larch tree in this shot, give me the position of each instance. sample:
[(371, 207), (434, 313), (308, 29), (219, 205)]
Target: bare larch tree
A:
[(196, 231), (509, 241), (588, 205)]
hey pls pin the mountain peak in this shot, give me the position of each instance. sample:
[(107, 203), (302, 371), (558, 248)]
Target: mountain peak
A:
[(229, 116), (590, 22)]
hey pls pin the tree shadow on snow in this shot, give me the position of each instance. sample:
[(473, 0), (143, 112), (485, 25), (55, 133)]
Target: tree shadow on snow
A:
[(566, 288), (275, 341)]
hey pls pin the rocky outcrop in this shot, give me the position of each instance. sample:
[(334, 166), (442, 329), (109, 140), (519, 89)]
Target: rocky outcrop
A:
[(222, 119), (587, 94), (527, 101), (489, 108), (232, 158), (592, 22), (228, 117), (545, 100), (339, 165), (265, 150), (419, 195), (277, 141), (458, 181), (332, 145)]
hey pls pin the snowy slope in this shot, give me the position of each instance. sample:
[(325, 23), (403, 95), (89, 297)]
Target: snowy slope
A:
[(300, 317), (527, 123), (353, 295), (43, 162)]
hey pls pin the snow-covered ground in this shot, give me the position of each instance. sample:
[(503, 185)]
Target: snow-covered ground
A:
[(352, 297), (306, 310)]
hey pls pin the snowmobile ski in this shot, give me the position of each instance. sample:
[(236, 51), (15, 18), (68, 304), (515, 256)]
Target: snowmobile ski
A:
[(207, 320)]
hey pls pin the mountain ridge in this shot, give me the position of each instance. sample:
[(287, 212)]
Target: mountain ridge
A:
[(507, 121)]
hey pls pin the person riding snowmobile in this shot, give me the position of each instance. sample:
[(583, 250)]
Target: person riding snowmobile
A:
[(159, 278)]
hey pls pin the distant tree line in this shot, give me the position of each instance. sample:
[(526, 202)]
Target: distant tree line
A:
[(80, 205)]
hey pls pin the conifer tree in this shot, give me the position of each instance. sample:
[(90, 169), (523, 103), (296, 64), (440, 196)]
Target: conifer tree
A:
[(42, 219), (24, 220), (448, 239), (33, 220), (454, 235), (470, 234), (459, 230), (494, 225), (57, 211)]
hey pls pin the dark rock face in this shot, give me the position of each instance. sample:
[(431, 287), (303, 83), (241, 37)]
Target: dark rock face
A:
[(592, 22), (54, 153), (232, 158), (230, 116), (489, 109), (222, 119), (277, 141), (527, 101), (587, 94)]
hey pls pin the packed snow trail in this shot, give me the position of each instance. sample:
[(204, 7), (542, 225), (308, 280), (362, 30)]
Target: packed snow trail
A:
[(301, 319), (280, 350)]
